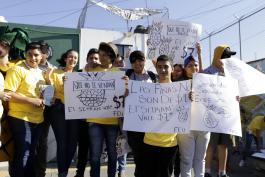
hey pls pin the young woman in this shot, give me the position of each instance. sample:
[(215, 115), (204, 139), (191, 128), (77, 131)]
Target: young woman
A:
[(192, 146), (25, 114), (65, 131)]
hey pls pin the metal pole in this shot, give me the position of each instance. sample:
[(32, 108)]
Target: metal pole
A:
[(239, 32), (210, 47)]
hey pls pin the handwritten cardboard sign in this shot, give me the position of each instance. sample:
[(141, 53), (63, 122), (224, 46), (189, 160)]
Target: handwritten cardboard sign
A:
[(154, 107), (94, 95), (176, 39), (215, 108), (251, 81)]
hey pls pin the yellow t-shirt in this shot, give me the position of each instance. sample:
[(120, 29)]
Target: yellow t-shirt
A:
[(257, 123), (110, 121), (57, 81), (161, 139), (1, 90), (27, 82)]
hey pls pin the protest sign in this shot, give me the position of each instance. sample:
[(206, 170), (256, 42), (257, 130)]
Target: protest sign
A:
[(154, 107), (215, 108), (250, 80), (176, 39), (94, 95)]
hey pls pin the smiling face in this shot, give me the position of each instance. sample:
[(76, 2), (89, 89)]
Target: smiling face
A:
[(71, 59), (33, 57)]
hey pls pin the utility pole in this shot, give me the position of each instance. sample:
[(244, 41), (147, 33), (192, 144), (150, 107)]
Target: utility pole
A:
[(239, 35)]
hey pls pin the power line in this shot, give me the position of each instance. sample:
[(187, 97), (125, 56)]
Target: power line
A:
[(211, 10), (67, 15), (199, 8), (46, 13), (15, 4), (243, 9), (234, 23), (250, 37)]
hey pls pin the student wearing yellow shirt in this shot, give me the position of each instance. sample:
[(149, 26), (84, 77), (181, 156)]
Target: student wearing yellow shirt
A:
[(65, 131), (159, 148), (25, 114), (254, 129), (4, 57), (101, 129)]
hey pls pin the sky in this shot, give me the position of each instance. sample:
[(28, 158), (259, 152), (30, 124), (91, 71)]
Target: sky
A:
[(211, 14)]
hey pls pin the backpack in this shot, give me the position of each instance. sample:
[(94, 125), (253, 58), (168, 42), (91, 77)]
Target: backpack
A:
[(150, 73)]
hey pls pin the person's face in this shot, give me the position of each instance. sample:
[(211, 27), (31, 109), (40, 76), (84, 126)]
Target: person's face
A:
[(3, 52), (177, 72), (138, 66), (192, 67), (104, 58), (44, 58), (33, 57), (164, 70), (93, 59), (71, 59), (118, 62)]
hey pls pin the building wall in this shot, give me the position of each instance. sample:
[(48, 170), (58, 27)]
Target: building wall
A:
[(90, 38)]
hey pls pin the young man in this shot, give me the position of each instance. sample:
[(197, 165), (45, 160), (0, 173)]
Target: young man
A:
[(83, 139), (92, 60), (135, 139), (101, 129), (42, 147), (25, 114), (222, 140), (159, 148)]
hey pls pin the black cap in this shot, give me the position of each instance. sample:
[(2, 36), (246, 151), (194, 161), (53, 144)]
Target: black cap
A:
[(136, 55), (227, 53)]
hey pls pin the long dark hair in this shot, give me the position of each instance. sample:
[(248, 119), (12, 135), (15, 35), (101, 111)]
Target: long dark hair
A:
[(61, 61)]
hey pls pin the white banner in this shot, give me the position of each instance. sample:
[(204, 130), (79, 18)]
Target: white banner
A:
[(176, 39), (94, 95), (128, 14), (250, 80), (215, 108), (154, 107)]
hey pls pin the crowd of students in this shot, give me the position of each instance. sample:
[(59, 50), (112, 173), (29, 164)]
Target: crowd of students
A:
[(155, 154)]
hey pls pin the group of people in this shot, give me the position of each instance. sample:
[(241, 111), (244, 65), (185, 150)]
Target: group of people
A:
[(155, 154)]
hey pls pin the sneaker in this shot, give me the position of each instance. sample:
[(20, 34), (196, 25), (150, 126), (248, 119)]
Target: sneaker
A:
[(242, 163), (207, 175)]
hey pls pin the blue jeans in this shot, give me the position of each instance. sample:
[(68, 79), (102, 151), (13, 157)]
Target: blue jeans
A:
[(25, 135), (121, 163), (247, 149), (66, 133), (97, 134)]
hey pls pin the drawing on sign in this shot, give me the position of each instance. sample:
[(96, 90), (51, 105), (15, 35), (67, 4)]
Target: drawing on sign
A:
[(213, 105), (89, 96), (182, 114), (155, 34), (175, 39)]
